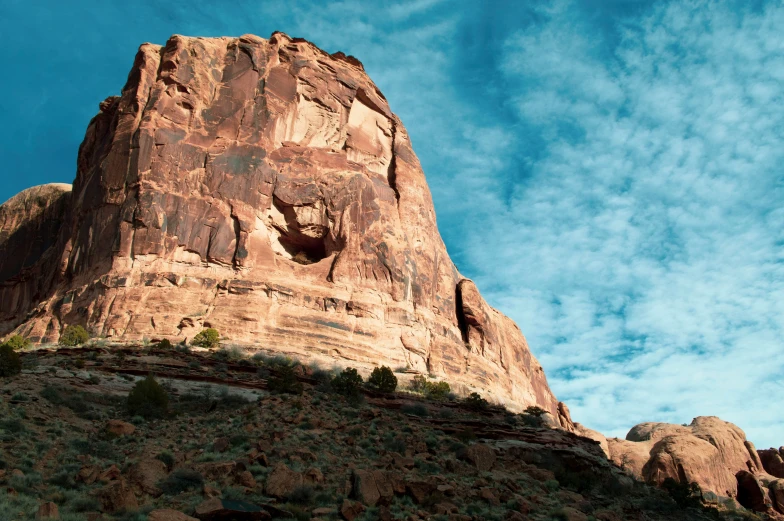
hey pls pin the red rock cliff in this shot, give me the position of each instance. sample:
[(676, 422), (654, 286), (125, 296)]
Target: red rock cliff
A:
[(262, 187)]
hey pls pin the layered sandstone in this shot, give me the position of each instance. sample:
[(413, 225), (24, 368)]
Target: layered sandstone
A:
[(711, 452), (264, 188)]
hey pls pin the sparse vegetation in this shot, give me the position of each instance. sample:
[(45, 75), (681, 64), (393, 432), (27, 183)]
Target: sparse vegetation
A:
[(17, 342), (475, 402), (10, 363), (165, 344), (438, 391), (382, 379), (207, 338), (285, 381), (148, 399), (216, 440), (74, 336), (347, 383)]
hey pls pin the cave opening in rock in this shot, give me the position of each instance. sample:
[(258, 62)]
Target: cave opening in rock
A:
[(303, 251)]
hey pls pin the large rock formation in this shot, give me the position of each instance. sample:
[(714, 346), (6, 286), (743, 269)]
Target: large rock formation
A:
[(264, 188), (710, 452)]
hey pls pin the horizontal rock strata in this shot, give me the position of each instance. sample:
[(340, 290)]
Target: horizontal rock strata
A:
[(264, 188)]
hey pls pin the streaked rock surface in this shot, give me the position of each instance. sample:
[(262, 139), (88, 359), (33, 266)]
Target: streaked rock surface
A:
[(264, 188)]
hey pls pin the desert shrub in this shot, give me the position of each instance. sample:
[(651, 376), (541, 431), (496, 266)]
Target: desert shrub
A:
[(433, 390), (181, 480), (684, 494), (207, 338), (230, 354), (417, 409), (466, 435), (475, 402), (148, 399), (535, 410), (165, 344), (74, 336), (17, 342), (302, 495), (347, 383), (383, 379), (9, 361), (285, 381), (85, 504), (167, 458)]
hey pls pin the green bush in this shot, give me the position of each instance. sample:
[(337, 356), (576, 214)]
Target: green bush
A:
[(148, 399), (167, 458), (285, 381), (535, 410), (207, 338), (475, 402), (347, 383), (417, 409), (9, 361), (17, 342), (433, 390), (74, 336), (383, 379), (165, 344), (181, 480)]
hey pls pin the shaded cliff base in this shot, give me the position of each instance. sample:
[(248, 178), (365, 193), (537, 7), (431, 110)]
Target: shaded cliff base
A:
[(68, 444)]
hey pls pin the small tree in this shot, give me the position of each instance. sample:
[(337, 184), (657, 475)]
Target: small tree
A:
[(285, 381), (165, 344), (348, 383), (535, 410), (9, 361), (74, 336), (475, 402), (383, 379), (17, 342), (207, 338), (433, 390), (148, 399)]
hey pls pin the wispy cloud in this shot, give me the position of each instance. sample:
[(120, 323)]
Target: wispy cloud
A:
[(643, 254)]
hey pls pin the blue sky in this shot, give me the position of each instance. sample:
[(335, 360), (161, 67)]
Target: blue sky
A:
[(609, 172)]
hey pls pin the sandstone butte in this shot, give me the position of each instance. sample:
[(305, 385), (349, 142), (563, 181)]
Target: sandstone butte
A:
[(265, 188)]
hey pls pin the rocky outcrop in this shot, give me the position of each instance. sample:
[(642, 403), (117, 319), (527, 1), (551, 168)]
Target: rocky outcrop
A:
[(710, 452), (264, 188), (773, 461)]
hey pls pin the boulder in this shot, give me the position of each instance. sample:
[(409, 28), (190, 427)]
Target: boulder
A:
[(120, 428), (372, 487), (709, 452), (350, 510), (117, 496), (773, 461), (419, 490), (217, 509), (751, 494), (145, 475), (481, 456), (282, 481), (263, 187), (776, 489), (167, 514), (47, 511)]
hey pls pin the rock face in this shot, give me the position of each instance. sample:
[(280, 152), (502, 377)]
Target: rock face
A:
[(264, 188), (710, 452)]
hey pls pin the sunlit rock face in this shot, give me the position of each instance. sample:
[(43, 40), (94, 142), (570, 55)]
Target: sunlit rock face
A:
[(711, 452), (264, 188)]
